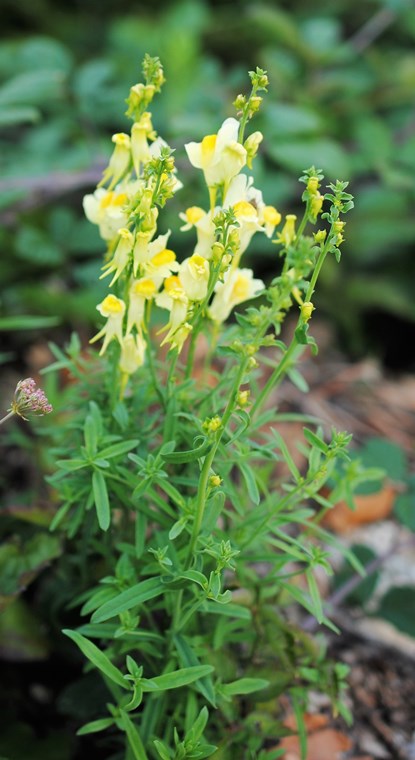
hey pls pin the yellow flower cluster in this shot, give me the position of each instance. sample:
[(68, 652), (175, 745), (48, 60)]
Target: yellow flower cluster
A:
[(139, 178)]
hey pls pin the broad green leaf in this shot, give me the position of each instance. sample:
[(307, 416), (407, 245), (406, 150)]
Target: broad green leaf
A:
[(177, 679), (98, 658), (398, 607), (132, 597), (99, 488)]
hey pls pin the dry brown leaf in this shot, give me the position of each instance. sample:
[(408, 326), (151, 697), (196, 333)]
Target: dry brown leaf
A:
[(327, 744), (369, 508), (312, 721)]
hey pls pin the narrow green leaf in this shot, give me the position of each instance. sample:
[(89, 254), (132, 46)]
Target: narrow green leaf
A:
[(162, 750), (188, 658), (177, 679), (315, 440), (228, 610), (134, 739), (180, 457), (244, 686), (70, 465), (99, 488), (132, 597), (26, 322), (98, 658), (90, 436), (94, 726), (315, 595), (117, 449), (250, 481)]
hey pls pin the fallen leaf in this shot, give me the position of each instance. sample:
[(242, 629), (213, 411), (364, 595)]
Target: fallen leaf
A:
[(369, 508), (312, 721), (327, 744)]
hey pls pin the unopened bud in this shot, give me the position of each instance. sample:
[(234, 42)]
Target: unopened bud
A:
[(242, 398), (306, 310), (215, 481)]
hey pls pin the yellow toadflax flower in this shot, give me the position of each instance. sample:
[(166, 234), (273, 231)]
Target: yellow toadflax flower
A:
[(287, 234), (141, 132), (173, 298), (194, 276), (239, 285), (221, 156), (140, 291), (106, 208), (160, 266), (121, 255), (114, 309), (119, 162), (133, 349)]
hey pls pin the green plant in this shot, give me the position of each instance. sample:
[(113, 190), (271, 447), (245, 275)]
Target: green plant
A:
[(188, 550)]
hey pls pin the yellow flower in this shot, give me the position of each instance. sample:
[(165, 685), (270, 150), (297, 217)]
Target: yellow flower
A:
[(121, 256), (194, 276), (270, 218), (106, 208), (251, 146), (247, 217), (287, 234), (141, 132), (143, 250), (119, 162), (173, 298), (140, 291), (307, 309), (191, 216), (161, 266), (133, 348), (220, 156), (239, 285), (114, 309), (178, 338)]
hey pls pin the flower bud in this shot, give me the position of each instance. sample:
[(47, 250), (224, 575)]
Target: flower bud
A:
[(306, 310), (215, 481)]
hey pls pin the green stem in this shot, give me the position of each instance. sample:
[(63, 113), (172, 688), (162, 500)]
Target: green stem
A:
[(198, 320), (204, 476), (282, 367), (276, 376), (154, 376), (7, 417)]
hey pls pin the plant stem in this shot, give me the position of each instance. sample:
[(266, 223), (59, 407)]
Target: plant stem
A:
[(276, 376), (204, 476), (7, 417)]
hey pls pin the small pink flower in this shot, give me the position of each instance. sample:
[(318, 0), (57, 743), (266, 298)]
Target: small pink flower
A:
[(29, 398)]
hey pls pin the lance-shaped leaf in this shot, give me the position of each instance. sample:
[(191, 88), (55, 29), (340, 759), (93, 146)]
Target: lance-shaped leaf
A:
[(98, 658), (99, 489), (133, 596), (176, 679)]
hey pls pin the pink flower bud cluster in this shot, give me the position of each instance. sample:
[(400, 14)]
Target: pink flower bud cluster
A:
[(29, 398)]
